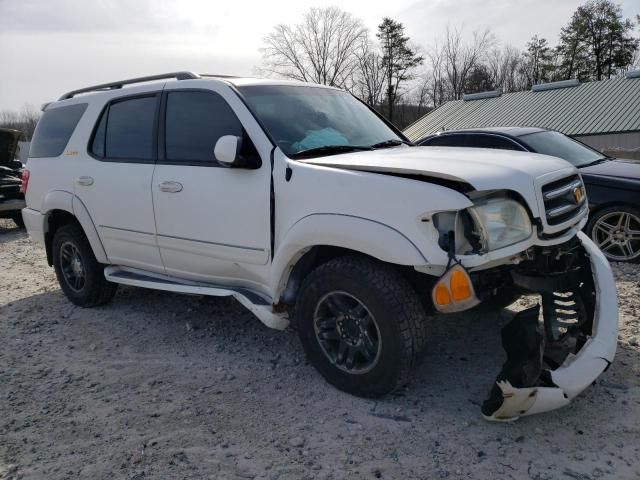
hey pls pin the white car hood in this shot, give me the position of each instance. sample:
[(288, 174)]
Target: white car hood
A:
[(483, 169)]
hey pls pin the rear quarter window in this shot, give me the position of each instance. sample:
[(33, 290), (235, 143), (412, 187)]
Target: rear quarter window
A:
[(55, 129)]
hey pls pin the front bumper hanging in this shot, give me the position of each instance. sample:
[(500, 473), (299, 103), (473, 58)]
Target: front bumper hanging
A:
[(526, 383)]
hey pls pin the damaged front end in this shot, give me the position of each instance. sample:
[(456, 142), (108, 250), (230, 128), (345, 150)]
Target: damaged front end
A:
[(547, 367)]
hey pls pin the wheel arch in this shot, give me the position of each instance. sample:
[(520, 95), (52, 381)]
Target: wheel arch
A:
[(612, 203), (318, 238), (62, 208)]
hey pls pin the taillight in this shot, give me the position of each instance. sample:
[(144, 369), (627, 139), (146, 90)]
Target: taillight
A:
[(25, 181)]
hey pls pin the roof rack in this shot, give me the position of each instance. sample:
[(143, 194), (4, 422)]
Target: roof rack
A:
[(541, 87), (120, 84), (479, 96)]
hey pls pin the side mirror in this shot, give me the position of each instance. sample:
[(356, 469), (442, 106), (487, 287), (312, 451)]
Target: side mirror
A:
[(227, 150)]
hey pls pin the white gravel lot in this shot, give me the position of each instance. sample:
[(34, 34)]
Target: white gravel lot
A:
[(159, 385)]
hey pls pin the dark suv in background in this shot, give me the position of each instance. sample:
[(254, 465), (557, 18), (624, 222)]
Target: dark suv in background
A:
[(11, 198), (613, 185)]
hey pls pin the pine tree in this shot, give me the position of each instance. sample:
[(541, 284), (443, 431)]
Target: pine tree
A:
[(398, 60)]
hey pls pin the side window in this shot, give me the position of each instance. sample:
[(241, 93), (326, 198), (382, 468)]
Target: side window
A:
[(446, 141), (194, 123), (97, 147), (125, 130), (490, 141), (54, 130)]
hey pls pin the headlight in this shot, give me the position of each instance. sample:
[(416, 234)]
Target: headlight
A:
[(502, 222)]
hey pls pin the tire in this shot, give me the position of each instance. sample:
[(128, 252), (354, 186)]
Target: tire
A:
[(381, 305), (616, 231), (70, 245), (17, 219)]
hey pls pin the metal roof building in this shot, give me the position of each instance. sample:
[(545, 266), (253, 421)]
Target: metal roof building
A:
[(604, 114)]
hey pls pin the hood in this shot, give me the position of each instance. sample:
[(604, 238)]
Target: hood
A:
[(8, 147), (483, 169), (627, 169)]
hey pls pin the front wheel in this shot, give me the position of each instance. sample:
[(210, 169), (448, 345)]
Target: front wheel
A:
[(361, 325), (616, 231), (79, 274)]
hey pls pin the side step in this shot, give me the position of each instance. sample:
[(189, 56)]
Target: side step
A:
[(260, 306)]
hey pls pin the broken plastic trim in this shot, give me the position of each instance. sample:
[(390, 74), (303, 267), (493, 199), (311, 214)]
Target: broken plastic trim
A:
[(523, 387)]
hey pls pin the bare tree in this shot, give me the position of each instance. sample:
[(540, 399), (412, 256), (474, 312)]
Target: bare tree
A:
[(435, 79), (504, 67), (369, 76), (321, 49), (461, 58), (24, 120)]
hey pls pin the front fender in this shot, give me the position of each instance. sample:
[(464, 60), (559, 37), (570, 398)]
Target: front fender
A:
[(359, 234)]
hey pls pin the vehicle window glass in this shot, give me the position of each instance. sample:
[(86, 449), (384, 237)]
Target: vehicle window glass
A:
[(301, 118), (129, 132), (97, 147), (54, 130), (559, 145), (446, 141), (491, 141), (194, 123)]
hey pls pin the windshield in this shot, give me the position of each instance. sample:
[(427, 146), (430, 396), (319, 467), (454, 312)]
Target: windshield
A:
[(559, 145), (303, 118)]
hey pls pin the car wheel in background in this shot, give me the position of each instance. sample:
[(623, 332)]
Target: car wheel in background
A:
[(616, 231), (79, 274), (361, 324)]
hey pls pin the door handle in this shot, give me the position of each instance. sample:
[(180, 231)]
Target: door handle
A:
[(170, 187), (84, 181)]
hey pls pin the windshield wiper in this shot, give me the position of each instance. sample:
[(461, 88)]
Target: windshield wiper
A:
[(391, 143), (329, 149), (596, 162)]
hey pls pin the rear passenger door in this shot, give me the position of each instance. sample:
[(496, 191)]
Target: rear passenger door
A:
[(212, 222), (114, 182)]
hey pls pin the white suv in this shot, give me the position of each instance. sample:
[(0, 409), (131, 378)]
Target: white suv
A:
[(299, 200)]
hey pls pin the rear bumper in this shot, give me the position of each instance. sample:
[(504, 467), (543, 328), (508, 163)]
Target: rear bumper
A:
[(11, 206), (579, 370), (34, 223)]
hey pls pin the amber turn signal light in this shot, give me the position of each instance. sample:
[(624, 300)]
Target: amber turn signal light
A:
[(454, 291)]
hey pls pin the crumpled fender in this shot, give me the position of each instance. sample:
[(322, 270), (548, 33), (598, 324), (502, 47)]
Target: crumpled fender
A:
[(580, 370)]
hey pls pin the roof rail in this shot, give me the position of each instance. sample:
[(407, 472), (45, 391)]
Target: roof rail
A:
[(120, 84), (541, 87), (632, 74), (479, 96)]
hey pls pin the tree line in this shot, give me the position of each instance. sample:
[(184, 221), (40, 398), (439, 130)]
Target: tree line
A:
[(404, 80), (25, 120)]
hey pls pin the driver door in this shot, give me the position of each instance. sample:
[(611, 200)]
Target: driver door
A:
[(212, 222)]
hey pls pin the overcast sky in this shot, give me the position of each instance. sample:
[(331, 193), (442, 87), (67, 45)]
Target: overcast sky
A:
[(48, 47)]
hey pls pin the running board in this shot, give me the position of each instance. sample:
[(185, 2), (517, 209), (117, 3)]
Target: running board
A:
[(260, 306)]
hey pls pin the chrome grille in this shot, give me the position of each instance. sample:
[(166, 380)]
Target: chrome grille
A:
[(564, 199)]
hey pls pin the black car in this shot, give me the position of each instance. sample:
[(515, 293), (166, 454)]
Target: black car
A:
[(613, 185), (11, 199)]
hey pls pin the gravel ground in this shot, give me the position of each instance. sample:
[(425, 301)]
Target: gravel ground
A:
[(157, 385)]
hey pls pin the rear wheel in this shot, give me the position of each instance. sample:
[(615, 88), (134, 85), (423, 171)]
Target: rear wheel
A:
[(79, 274), (361, 325), (616, 231)]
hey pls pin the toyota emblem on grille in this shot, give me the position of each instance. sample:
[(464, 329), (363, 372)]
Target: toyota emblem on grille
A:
[(578, 194)]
